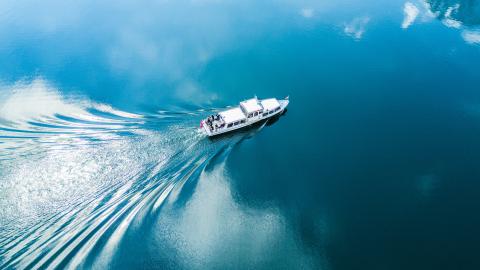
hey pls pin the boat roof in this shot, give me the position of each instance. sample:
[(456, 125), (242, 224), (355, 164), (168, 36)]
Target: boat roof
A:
[(270, 104), (251, 105), (232, 115)]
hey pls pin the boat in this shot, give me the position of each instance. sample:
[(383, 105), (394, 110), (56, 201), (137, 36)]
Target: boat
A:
[(249, 112)]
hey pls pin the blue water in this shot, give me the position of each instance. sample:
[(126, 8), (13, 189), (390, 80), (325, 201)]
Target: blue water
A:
[(375, 165)]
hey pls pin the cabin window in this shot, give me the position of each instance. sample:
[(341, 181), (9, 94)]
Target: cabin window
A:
[(256, 113), (236, 123), (230, 125), (265, 114), (250, 115), (277, 109), (243, 121), (270, 112)]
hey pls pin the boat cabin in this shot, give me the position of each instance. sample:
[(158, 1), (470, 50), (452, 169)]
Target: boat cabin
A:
[(233, 117), (270, 106), (251, 107)]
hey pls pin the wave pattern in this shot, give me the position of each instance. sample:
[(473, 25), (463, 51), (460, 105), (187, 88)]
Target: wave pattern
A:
[(75, 182)]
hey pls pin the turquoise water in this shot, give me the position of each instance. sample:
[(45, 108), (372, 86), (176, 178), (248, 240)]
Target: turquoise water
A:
[(375, 165)]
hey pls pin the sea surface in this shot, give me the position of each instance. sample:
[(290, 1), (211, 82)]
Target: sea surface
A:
[(375, 165)]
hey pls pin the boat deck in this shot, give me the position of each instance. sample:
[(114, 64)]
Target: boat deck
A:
[(236, 118)]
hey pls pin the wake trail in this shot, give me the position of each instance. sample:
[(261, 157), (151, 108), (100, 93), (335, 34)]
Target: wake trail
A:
[(165, 151)]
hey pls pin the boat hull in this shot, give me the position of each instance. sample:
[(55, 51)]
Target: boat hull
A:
[(249, 123)]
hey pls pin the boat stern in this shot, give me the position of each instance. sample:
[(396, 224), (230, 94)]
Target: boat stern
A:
[(204, 128)]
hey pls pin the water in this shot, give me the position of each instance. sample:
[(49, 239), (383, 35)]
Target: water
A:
[(375, 164)]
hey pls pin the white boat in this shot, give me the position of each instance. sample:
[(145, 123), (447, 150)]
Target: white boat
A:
[(248, 113)]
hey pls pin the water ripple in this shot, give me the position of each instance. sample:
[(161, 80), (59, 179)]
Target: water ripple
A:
[(76, 180)]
